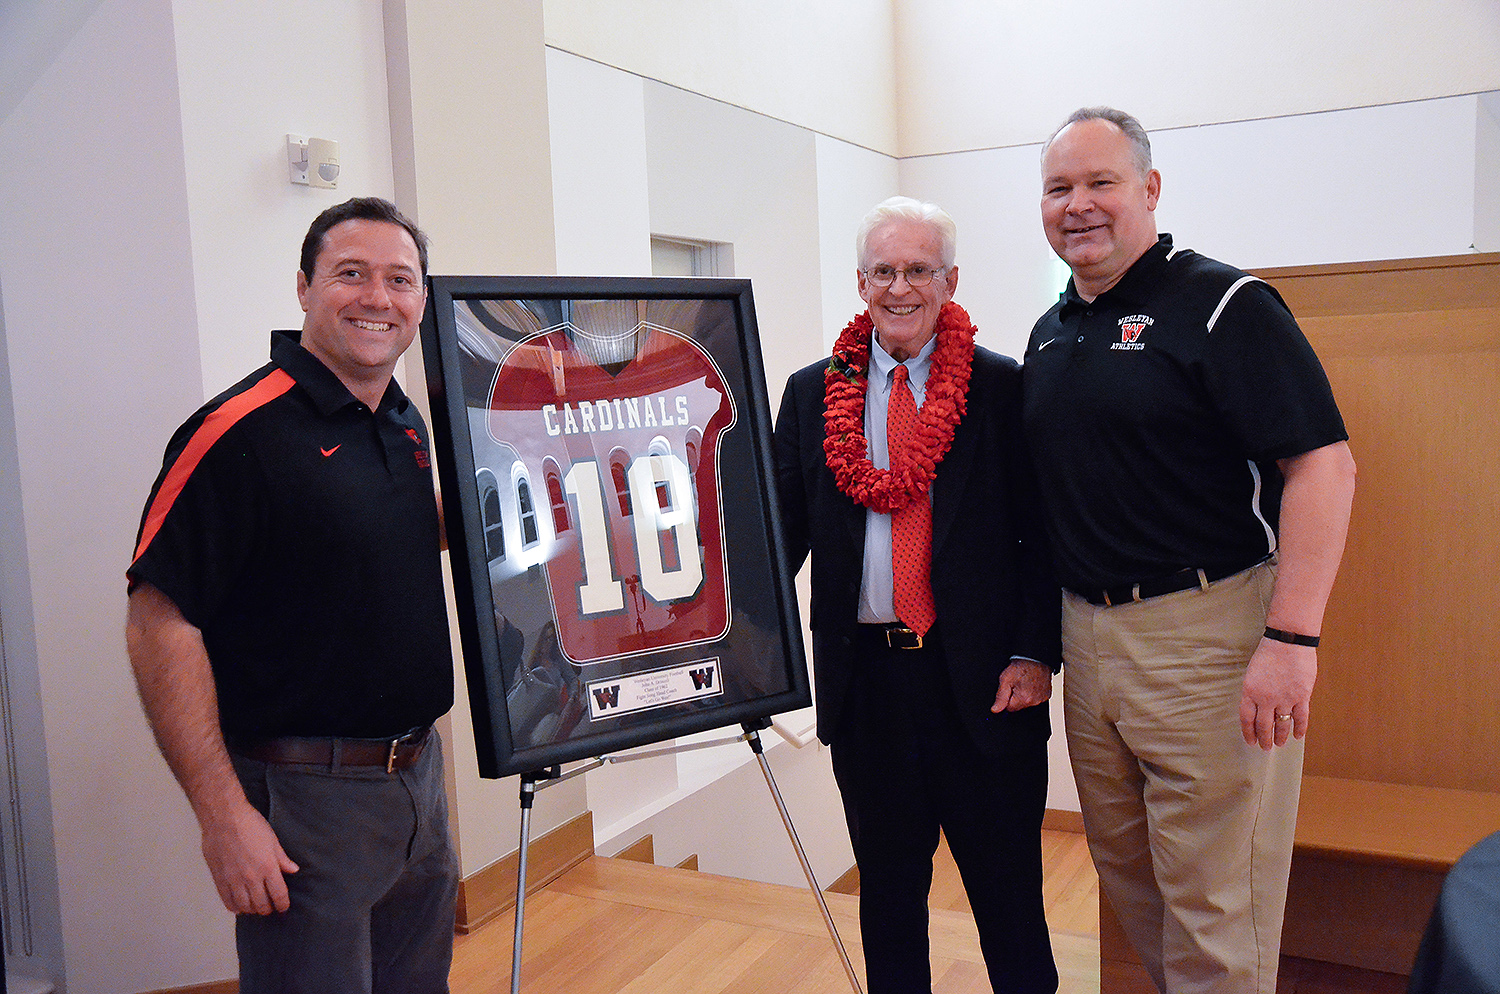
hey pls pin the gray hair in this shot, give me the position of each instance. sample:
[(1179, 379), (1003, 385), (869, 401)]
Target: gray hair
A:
[(907, 209), (1140, 145)]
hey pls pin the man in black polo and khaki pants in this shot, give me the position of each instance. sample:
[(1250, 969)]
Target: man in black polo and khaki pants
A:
[(289, 637), (1197, 480)]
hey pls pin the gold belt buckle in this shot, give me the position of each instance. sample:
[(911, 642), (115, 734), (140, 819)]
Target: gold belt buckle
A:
[(903, 631)]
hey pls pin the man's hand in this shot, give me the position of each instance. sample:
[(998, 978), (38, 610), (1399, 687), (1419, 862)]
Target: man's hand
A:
[(1315, 503), (247, 862), (176, 683), (1023, 684), (1278, 681)]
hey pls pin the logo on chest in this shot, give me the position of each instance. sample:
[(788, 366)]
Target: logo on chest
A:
[(1130, 332), (421, 453)]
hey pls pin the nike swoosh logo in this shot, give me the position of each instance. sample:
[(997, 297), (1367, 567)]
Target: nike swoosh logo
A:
[(329, 452), (1045, 344)]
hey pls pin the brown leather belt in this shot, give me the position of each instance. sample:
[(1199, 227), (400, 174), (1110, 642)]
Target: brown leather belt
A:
[(394, 754)]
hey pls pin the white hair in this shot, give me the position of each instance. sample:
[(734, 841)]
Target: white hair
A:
[(907, 209)]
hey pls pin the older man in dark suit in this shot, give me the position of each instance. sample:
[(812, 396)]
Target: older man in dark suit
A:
[(935, 621)]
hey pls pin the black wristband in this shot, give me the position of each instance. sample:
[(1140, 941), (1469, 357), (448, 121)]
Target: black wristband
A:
[(1291, 638)]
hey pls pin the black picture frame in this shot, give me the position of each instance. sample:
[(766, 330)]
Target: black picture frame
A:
[(562, 408)]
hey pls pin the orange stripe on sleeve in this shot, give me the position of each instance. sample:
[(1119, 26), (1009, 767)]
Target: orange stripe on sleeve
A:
[(276, 383)]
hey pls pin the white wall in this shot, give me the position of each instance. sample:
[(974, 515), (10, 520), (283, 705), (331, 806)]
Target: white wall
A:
[(828, 66), (981, 75), (1486, 168), (1375, 183), (248, 75), (473, 131), (1007, 275), (95, 261), (32, 35), (1340, 186), (150, 239), (851, 180), (721, 173), (601, 208), (30, 915), (735, 829)]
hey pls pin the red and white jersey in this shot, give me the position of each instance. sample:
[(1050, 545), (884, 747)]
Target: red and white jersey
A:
[(627, 453)]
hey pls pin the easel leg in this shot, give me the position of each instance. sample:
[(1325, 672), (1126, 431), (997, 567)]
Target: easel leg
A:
[(530, 784), (528, 794), (752, 736)]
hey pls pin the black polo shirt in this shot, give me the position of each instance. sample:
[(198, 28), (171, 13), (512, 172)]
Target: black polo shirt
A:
[(1155, 415), (298, 531)]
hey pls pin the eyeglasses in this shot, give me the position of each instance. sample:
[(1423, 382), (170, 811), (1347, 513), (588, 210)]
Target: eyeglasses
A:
[(916, 276)]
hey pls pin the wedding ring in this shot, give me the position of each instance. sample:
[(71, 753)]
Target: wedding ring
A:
[(1283, 717)]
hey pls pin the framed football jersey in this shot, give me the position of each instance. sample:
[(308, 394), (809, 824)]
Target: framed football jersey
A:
[(604, 449)]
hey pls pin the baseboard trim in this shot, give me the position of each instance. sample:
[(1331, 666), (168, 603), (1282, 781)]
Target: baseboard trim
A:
[(489, 893), (846, 884), (1058, 820), (217, 987), (642, 850)]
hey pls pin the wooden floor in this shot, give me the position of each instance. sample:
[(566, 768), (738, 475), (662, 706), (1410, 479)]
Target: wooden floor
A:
[(612, 926)]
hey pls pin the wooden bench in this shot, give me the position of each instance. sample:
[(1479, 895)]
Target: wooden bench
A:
[(1366, 869)]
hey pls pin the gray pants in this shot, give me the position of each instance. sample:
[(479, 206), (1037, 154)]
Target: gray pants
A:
[(372, 905)]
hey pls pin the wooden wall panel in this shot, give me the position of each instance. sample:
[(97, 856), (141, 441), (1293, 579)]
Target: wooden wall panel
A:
[(1410, 669)]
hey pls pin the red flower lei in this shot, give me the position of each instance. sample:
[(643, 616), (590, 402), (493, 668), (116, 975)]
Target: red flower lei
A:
[(845, 445)]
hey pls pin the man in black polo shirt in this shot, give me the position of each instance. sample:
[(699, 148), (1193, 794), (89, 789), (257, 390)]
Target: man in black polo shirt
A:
[(288, 634), (1197, 482)]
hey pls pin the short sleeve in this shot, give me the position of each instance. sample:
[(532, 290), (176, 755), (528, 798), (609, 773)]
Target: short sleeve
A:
[(201, 524), (1266, 380)]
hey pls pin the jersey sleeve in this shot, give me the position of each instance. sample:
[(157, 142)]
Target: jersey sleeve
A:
[(1265, 379), (200, 523)]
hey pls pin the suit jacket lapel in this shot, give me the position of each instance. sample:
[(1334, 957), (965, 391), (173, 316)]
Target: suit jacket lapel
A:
[(952, 477), (854, 519)]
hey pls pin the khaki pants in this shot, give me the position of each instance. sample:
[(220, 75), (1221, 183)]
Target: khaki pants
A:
[(1190, 828)]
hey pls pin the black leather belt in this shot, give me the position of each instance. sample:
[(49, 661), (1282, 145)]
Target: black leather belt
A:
[(1127, 593), (896, 635), (394, 754)]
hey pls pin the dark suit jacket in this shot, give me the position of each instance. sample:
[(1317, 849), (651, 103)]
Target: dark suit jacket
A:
[(990, 575)]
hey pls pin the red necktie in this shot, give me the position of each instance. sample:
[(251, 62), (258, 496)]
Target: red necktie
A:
[(911, 527)]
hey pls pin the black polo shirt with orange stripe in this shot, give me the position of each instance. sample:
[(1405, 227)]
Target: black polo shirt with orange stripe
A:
[(1155, 415), (298, 530)]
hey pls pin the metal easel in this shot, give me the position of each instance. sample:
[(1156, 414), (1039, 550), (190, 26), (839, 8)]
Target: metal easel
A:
[(542, 779)]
